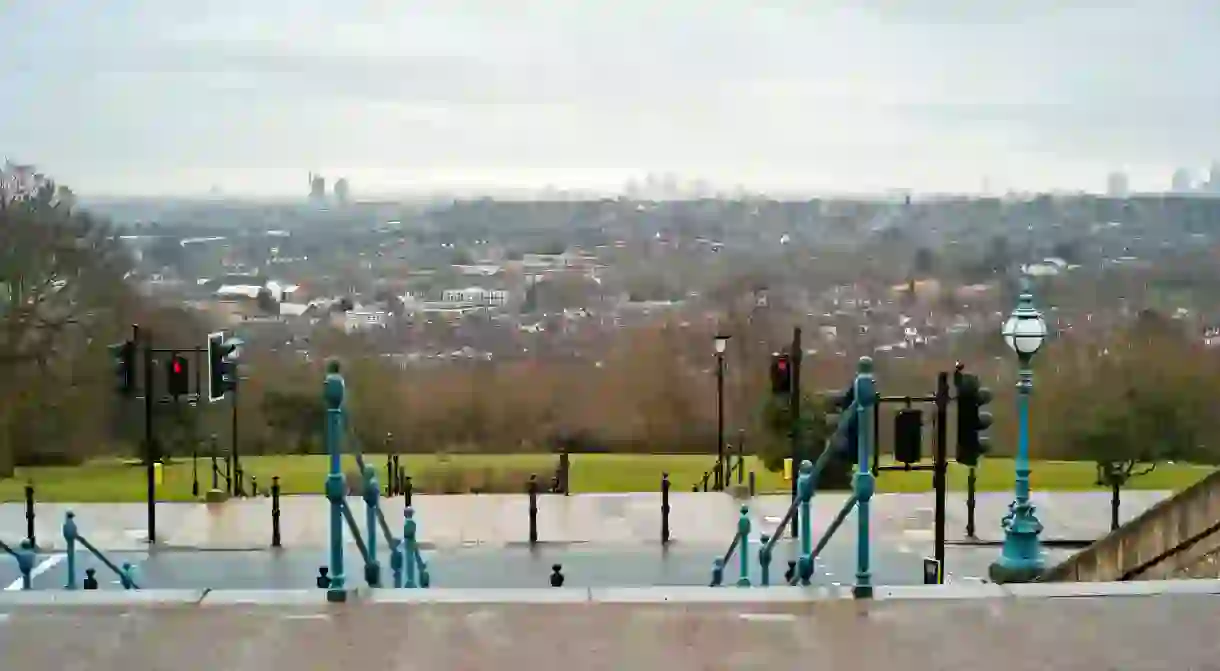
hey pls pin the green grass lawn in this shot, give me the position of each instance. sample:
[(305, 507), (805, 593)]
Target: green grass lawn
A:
[(111, 481)]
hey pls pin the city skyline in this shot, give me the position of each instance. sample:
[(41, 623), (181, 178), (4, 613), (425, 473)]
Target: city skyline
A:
[(178, 99)]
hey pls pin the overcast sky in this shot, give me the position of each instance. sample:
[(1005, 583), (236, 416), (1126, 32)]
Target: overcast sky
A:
[(177, 96)]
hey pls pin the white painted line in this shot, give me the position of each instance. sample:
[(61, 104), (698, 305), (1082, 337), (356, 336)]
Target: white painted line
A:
[(308, 616), (43, 566), (767, 617)]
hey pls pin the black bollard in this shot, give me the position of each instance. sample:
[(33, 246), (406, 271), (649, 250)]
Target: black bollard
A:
[(215, 473), (253, 485), (665, 509), (407, 489), (194, 472), (275, 511), (90, 579), (389, 476), (706, 475), (395, 476), (751, 483), (694, 487), (790, 574), (557, 575), (532, 489), (29, 515), (323, 577)]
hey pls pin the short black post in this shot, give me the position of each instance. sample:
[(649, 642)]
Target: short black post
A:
[(407, 489), (29, 515), (90, 579), (741, 455), (253, 485), (275, 511), (752, 483), (970, 484), (557, 575), (389, 476), (694, 487), (532, 489), (665, 509), (565, 467), (706, 475), (215, 472), (395, 476), (194, 471)]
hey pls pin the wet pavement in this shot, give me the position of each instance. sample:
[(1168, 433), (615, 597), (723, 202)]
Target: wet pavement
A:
[(584, 565), (1002, 634)]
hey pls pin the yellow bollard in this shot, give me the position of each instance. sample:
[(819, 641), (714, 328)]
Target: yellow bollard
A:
[(158, 472), (788, 470)]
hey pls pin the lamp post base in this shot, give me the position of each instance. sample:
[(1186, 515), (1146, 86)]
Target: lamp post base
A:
[(1021, 559)]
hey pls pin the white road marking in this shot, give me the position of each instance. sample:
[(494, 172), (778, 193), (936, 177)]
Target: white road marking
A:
[(767, 617), (42, 567), (307, 616)]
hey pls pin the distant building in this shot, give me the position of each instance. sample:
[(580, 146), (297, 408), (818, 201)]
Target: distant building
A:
[(1213, 178), (317, 188), (1117, 185), (1182, 181), (341, 191)]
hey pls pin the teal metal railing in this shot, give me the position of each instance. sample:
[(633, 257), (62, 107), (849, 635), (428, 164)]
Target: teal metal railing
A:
[(24, 556), (858, 416), (72, 536)]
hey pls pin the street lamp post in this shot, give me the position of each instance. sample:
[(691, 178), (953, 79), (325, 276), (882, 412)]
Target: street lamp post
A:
[(722, 343), (1021, 558)]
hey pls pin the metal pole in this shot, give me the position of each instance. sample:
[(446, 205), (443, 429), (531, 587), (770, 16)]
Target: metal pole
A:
[(150, 450), (941, 468), (332, 395), (720, 479), (741, 455), (971, 483), (794, 409), (864, 481), (238, 487)]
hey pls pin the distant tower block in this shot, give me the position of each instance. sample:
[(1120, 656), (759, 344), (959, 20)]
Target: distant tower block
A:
[(317, 187), (342, 191)]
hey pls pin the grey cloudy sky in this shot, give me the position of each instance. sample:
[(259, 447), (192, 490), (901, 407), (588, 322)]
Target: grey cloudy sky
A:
[(175, 96)]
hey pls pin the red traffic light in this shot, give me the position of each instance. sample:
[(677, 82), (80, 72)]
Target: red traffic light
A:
[(781, 365), (177, 366)]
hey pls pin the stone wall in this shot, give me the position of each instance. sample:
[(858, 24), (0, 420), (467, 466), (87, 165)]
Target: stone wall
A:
[(1178, 536)]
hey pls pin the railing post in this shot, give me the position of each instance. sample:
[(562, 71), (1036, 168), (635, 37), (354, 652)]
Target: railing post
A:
[(70, 534), (275, 511), (764, 561), (743, 549), (372, 492), (864, 481), (665, 509), (336, 491), (29, 515), (532, 490), (396, 563), (804, 492), (409, 547), (407, 489)]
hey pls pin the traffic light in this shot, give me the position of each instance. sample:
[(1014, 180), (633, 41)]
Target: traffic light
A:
[(908, 436), (123, 355), (972, 420), (781, 374), (179, 379), (846, 422), (222, 365)]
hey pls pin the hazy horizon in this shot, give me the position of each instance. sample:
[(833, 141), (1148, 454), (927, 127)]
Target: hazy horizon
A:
[(173, 98)]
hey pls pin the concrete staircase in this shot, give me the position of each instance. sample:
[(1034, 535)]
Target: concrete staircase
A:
[(1176, 538)]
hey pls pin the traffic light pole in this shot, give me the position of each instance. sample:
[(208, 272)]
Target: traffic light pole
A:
[(939, 475), (794, 410), (149, 450), (235, 468)]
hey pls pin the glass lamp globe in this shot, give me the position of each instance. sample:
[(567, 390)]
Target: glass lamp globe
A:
[(1025, 330), (722, 342)]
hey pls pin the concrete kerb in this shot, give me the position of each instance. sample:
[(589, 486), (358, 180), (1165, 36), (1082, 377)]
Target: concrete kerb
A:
[(624, 595)]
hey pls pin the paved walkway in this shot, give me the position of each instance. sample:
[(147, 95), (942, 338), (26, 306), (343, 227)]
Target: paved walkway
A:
[(1133, 633), (631, 519)]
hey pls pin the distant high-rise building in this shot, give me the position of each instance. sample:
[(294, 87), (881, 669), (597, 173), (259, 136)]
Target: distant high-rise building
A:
[(1117, 185), (317, 188), (341, 190), (1182, 180), (1213, 178)]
